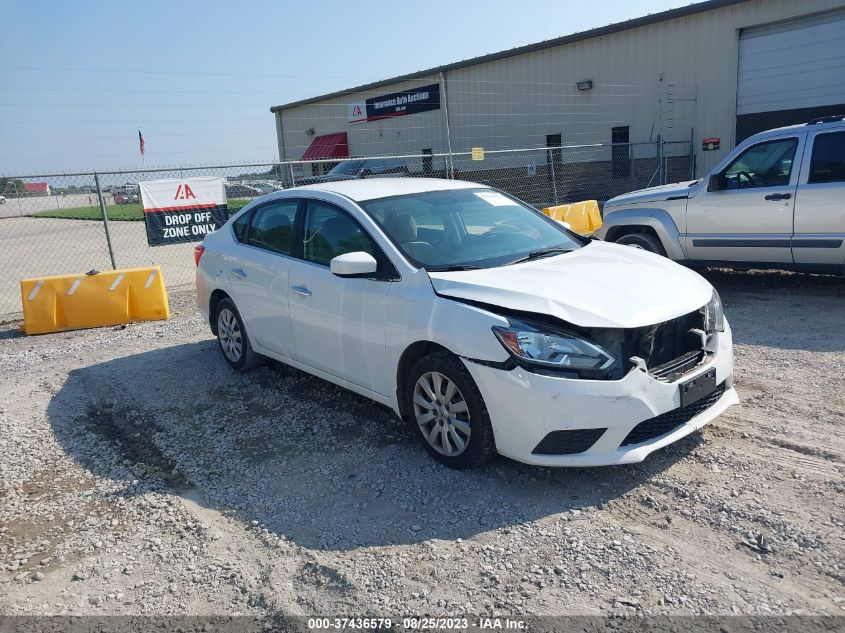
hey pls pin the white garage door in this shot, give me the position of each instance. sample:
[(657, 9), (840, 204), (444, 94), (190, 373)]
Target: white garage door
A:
[(798, 64)]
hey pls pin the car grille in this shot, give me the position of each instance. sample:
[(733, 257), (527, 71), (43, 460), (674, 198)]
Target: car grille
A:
[(674, 369), (671, 420), (664, 342), (568, 442)]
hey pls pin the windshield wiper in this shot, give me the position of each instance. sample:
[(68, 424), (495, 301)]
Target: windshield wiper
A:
[(449, 269), (543, 252)]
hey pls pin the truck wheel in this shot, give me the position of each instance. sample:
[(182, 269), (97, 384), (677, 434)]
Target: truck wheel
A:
[(645, 241)]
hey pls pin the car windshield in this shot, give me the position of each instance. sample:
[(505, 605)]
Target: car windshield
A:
[(347, 167), (467, 228)]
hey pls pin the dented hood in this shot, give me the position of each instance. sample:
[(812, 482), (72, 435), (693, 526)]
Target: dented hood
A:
[(599, 285)]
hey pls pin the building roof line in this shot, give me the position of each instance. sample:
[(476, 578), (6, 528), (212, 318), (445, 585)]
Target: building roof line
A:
[(646, 20)]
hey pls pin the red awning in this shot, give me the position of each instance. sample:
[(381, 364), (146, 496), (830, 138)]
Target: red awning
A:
[(328, 146)]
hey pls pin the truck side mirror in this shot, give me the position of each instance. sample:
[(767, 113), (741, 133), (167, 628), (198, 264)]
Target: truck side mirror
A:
[(716, 182)]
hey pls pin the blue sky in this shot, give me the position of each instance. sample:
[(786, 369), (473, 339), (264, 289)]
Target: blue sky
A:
[(77, 79)]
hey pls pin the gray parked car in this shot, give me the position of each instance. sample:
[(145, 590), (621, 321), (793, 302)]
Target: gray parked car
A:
[(360, 168), (776, 201)]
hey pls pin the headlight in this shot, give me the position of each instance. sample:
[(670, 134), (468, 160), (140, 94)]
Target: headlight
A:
[(714, 314), (545, 347)]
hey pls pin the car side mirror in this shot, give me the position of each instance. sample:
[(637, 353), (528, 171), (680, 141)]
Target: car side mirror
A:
[(355, 264), (716, 182)]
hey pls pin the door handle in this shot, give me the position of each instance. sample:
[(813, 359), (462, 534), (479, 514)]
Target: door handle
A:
[(779, 196), (301, 290), (239, 273)]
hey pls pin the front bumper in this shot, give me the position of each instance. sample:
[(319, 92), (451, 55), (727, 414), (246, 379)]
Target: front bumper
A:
[(525, 407)]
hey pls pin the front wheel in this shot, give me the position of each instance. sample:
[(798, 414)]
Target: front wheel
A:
[(644, 241), (448, 412)]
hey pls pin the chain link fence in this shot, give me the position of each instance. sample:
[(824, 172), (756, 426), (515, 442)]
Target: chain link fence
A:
[(72, 223)]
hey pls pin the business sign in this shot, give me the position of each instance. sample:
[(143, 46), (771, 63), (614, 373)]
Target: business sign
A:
[(356, 112), (183, 209), (711, 143), (412, 101)]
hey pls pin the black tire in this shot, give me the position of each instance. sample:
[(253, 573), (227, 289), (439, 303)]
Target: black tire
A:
[(481, 446), (247, 358), (645, 241)]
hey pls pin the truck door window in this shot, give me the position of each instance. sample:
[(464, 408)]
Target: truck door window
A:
[(767, 164), (828, 163)]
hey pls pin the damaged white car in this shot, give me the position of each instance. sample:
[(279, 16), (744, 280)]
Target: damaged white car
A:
[(483, 323)]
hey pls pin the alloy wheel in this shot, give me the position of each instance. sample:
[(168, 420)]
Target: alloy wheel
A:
[(442, 414)]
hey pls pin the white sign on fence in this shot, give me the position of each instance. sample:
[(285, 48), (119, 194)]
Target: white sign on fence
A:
[(183, 209)]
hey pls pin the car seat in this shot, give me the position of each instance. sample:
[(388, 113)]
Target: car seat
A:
[(403, 229)]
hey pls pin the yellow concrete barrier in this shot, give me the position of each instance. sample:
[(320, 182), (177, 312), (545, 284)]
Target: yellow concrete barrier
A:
[(584, 217), (69, 302)]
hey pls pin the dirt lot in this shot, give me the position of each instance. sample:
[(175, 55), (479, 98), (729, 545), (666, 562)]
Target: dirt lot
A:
[(18, 207), (141, 475), (36, 247)]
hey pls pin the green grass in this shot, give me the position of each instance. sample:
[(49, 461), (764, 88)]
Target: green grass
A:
[(117, 212)]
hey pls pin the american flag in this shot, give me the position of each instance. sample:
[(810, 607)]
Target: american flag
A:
[(141, 142)]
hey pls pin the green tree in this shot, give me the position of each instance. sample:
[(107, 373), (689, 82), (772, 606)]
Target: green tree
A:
[(11, 186)]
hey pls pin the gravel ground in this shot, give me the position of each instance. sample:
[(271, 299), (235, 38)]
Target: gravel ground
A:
[(141, 475)]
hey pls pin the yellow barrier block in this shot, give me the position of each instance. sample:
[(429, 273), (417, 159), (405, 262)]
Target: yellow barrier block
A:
[(584, 217), (70, 302)]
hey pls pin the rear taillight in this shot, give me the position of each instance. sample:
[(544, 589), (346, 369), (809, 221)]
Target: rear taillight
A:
[(199, 249)]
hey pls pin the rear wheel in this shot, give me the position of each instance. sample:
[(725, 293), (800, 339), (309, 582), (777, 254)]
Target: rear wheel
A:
[(233, 339), (644, 241), (448, 412)]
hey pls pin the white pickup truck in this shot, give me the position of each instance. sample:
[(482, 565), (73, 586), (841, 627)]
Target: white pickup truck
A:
[(776, 201)]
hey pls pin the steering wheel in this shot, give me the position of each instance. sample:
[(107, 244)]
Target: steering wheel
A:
[(748, 176)]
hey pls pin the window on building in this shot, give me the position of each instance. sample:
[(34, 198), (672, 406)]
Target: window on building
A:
[(828, 163), (555, 153), (620, 150), (428, 162)]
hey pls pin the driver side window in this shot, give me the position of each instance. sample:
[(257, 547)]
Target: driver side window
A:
[(330, 232), (767, 164)]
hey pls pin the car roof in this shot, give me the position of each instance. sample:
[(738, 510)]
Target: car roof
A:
[(808, 127), (372, 188)]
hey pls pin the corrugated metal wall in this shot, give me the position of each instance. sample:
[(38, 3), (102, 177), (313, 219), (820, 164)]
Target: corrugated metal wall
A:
[(662, 79)]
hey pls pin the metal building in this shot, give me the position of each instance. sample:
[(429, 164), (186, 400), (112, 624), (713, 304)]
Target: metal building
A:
[(710, 74)]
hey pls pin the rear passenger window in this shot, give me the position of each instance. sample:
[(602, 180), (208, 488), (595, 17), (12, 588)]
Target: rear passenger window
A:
[(239, 226), (828, 163), (272, 227)]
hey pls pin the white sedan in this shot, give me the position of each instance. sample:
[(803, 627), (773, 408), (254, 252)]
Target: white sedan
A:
[(483, 323)]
